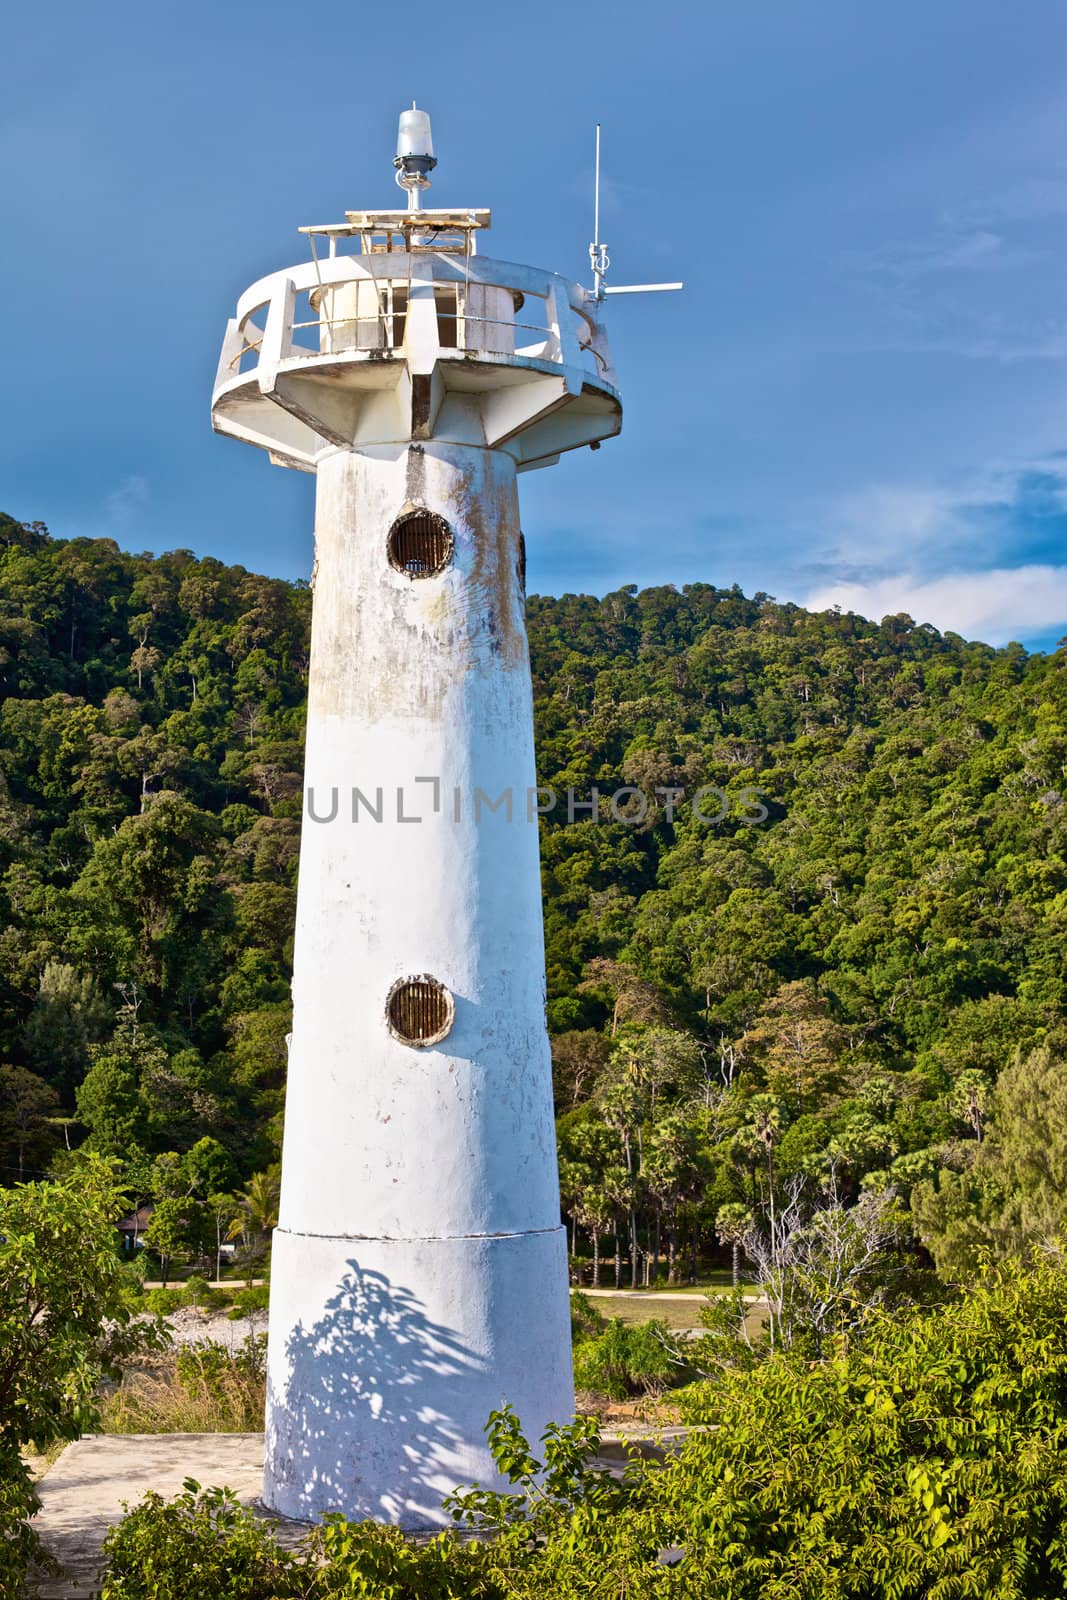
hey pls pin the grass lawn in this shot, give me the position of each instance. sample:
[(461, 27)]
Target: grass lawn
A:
[(638, 1308), (680, 1315)]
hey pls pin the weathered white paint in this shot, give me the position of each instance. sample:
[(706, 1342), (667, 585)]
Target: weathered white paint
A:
[(404, 1163), (419, 1271), (399, 1351)]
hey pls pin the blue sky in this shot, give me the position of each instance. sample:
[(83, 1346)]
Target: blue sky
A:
[(858, 399)]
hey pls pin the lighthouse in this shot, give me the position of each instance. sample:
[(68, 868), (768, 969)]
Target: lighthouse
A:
[(419, 1271)]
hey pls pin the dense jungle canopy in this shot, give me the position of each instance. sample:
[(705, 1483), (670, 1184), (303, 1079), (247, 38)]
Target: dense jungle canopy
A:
[(837, 988)]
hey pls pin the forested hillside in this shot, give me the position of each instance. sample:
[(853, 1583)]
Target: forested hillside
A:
[(830, 993)]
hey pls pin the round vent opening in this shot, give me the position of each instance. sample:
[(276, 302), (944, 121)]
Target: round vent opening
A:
[(420, 544), (419, 1010)]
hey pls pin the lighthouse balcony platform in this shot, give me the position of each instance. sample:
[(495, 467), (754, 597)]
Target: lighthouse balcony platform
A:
[(374, 349)]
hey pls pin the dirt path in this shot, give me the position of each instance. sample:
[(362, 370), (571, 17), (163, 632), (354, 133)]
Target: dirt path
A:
[(662, 1294)]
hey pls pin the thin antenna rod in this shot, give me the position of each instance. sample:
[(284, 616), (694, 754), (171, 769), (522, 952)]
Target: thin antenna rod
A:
[(596, 191), (598, 252), (599, 260)]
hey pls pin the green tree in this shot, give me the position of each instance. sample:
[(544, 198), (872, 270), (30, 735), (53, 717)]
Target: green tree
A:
[(733, 1222), (176, 1227), (68, 1015), (109, 1103), (25, 1104), (64, 1325), (798, 1047), (1029, 1146), (257, 1211), (1013, 1193), (208, 1168)]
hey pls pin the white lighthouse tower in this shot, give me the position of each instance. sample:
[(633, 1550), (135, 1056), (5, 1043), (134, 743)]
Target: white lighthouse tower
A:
[(419, 1267)]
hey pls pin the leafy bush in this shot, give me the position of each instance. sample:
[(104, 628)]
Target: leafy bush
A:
[(245, 1301), (131, 1277), (367, 1561), (213, 1362), (163, 1301), (929, 1462), (628, 1359), (735, 1332), (19, 1546), (65, 1323), (153, 1553), (198, 1292), (195, 1291)]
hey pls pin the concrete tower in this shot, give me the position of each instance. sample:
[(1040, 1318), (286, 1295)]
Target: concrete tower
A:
[(419, 1268)]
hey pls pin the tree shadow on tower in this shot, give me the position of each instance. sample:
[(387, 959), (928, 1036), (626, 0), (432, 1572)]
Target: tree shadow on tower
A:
[(368, 1421)]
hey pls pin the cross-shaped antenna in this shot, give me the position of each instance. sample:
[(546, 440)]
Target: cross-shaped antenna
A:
[(599, 259)]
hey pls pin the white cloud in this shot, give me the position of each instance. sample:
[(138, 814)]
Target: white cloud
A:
[(926, 526), (887, 515), (997, 605)]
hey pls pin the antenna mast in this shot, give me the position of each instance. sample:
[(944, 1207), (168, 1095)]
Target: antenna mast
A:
[(599, 259)]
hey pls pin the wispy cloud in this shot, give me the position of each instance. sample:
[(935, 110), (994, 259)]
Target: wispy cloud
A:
[(997, 605), (994, 339), (970, 250), (973, 281), (930, 524), (965, 557), (126, 503), (884, 516)]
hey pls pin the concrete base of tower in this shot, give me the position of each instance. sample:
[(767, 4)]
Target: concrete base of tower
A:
[(386, 1357)]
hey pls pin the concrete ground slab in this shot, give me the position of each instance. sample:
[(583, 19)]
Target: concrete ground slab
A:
[(87, 1488)]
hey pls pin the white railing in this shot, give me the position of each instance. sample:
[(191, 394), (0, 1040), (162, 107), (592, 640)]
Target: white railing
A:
[(434, 307)]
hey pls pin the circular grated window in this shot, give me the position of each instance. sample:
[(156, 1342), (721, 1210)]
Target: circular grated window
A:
[(420, 544), (419, 1010)]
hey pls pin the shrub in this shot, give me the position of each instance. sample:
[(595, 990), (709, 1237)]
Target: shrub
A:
[(639, 1358), (214, 1362), (162, 1301), (367, 1561), (198, 1292), (131, 1277), (155, 1550), (158, 1547), (65, 1323), (19, 1545), (245, 1301)]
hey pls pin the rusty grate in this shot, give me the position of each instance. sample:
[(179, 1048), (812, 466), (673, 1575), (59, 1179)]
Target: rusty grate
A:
[(420, 1010), (420, 544)]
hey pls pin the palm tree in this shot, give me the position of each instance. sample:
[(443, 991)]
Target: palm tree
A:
[(257, 1212)]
